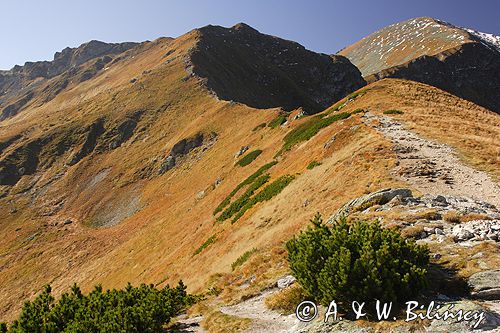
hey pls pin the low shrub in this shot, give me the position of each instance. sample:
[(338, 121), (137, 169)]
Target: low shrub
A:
[(244, 199), (249, 158), (207, 243), (310, 128), (243, 258), (358, 111), (313, 164), (258, 127), (247, 181), (278, 121), (393, 112), (357, 261), (267, 193), (141, 309)]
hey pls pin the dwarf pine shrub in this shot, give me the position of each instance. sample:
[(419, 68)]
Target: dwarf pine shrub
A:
[(133, 309), (360, 261), (249, 158)]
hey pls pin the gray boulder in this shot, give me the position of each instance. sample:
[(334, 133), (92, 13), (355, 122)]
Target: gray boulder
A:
[(485, 285), (376, 198)]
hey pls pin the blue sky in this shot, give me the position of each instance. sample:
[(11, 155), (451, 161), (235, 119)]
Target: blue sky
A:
[(34, 30)]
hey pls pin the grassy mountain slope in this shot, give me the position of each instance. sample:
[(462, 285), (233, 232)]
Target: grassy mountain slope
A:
[(121, 173)]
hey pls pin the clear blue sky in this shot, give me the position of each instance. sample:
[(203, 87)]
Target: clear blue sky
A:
[(34, 29)]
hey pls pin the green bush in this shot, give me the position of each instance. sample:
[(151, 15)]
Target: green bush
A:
[(141, 309), (359, 261), (267, 193), (249, 158), (310, 128), (258, 127), (358, 111), (243, 258), (393, 112), (313, 164), (278, 121), (243, 200), (207, 243), (247, 181)]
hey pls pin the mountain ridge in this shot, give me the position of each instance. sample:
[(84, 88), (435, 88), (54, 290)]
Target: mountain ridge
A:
[(434, 52)]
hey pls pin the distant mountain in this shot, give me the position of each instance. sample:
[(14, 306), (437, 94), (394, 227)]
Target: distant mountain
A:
[(461, 61), (19, 83)]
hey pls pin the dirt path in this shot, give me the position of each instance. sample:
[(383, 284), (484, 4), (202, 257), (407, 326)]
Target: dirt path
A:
[(263, 319), (432, 167)]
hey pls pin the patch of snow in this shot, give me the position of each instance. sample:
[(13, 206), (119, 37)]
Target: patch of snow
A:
[(489, 39)]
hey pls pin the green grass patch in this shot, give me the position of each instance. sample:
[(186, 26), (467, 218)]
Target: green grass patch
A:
[(358, 111), (207, 243), (242, 201), (243, 258), (249, 158), (310, 128), (258, 127), (393, 112), (247, 181), (267, 193), (313, 164), (278, 121)]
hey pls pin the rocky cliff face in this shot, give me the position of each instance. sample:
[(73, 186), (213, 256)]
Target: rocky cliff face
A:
[(463, 62), (263, 71)]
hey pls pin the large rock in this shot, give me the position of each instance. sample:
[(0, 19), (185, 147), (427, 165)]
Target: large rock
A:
[(376, 198), (490, 322), (485, 285)]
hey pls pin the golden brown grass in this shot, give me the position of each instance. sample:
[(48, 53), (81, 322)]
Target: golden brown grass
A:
[(155, 244), (216, 321), (286, 300)]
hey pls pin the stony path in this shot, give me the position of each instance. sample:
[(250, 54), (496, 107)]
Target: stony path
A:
[(432, 167), (263, 319)]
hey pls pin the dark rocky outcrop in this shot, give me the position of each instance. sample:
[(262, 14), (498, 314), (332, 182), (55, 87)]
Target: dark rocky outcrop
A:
[(12, 109), (22, 161), (262, 71), (184, 147), (93, 132), (118, 135)]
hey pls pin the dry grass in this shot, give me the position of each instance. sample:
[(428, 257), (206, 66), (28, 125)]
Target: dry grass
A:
[(155, 244), (412, 231), (456, 217), (286, 300), (452, 216), (216, 321)]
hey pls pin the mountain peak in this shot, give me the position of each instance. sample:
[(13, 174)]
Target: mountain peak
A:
[(243, 65)]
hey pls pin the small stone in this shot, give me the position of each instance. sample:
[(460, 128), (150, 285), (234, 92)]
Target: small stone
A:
[(285, 281), (67, 222), (439, 231), (200, 195)]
